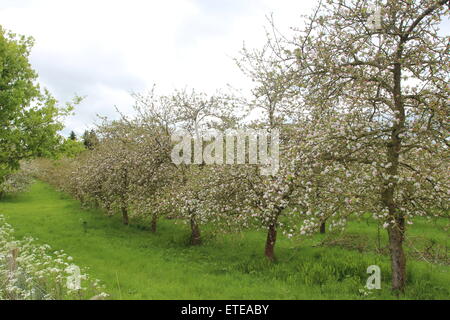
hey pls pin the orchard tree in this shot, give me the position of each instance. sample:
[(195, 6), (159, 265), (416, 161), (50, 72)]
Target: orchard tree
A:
[(198, 116), (87, 178), (15, 182), (100, 177), (384, 72), (209, 197), (152, 171), (56, 172), (269, 198), (301, 193), (117, 152)]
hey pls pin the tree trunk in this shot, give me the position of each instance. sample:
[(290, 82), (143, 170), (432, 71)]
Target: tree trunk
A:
[(398, 260), (125, 216), (154, 222), (195, 233), (323, 227), (396, 232), (270, 243)]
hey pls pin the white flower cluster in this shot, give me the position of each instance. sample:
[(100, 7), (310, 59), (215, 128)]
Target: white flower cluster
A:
[(32, 272), (16, 182)]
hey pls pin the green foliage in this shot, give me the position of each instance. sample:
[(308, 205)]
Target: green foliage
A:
[(71, 148), (30, 118), (73, 136), (15, 182)]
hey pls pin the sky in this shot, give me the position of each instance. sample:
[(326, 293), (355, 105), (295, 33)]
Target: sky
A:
[(107, 49)]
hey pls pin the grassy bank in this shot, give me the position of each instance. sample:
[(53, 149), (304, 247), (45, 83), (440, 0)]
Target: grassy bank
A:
[(136, 264)]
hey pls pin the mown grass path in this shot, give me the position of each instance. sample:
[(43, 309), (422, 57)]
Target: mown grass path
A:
[(136, 264)]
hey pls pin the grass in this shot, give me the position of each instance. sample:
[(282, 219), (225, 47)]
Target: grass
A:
[(136, 264)]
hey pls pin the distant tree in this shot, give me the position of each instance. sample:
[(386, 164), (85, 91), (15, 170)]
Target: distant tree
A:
[(73, 136), (197, 113), (90, 139)]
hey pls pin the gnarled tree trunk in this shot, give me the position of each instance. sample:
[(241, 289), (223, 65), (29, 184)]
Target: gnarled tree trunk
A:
[(323, 227), (195, 233), (397, 231), (125, 216), (270, 242), (398, 260), (154, 223)]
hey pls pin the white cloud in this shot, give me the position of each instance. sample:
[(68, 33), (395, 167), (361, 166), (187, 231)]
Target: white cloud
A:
[(107, 48)]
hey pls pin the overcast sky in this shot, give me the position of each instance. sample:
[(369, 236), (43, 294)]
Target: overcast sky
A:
[(105, 49)]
